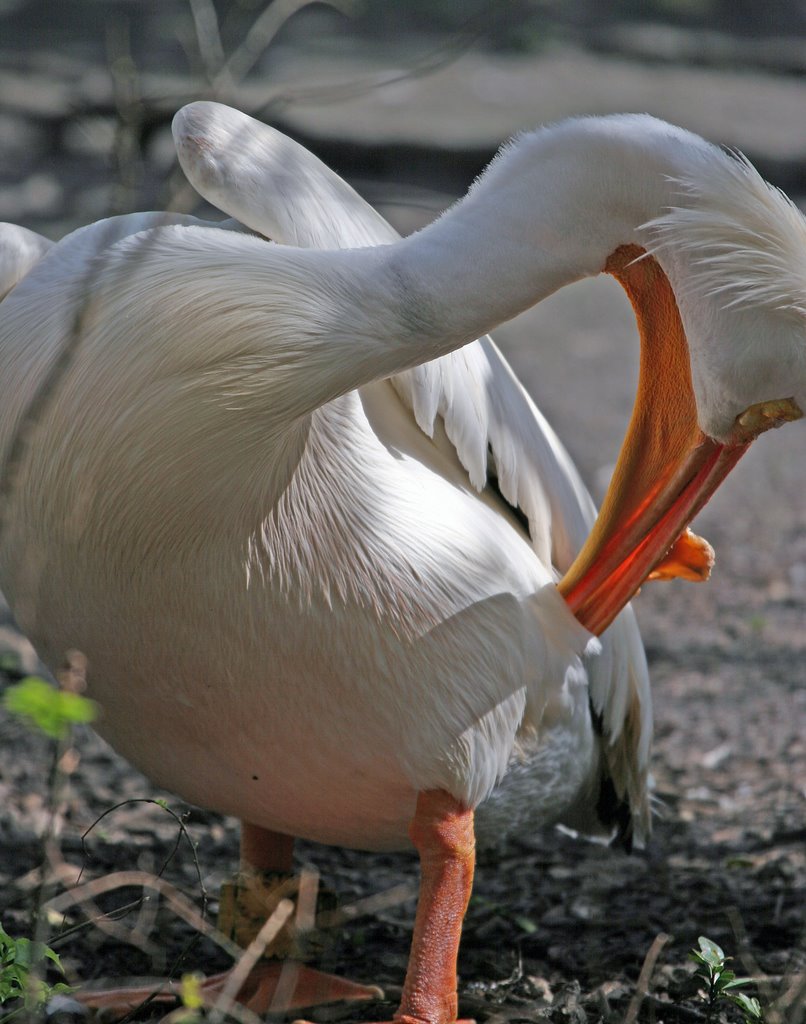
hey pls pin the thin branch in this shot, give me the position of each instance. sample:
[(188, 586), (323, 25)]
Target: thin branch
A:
[(790, 1006), (180, 904), (249, 958), (264, 28), (208, 37), (369, 905), (644, 978)]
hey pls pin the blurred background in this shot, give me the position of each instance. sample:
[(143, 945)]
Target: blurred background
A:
[(409, 100)]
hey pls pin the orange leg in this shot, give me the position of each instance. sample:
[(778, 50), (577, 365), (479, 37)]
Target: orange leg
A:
[(442, 831), (262, 850), (276, 985)]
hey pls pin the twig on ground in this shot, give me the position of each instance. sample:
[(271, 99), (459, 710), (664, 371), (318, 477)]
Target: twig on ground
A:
[(791, 1006), (180, 904), (642, 985), (369, 905), (249, 958)]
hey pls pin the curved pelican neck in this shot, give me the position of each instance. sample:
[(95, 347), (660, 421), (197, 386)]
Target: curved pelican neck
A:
[(550, 209)]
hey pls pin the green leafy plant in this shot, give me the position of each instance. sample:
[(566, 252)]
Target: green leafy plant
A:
[(22, 969), (51, 710), (24, 962), (721, 984)]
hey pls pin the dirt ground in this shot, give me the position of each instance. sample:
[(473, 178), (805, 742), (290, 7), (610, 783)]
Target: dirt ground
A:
[(558, 928)]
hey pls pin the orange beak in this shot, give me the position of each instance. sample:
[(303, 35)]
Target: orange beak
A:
[(667, 469)]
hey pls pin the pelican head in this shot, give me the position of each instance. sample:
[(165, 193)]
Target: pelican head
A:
[(721, 309), (734, 249)]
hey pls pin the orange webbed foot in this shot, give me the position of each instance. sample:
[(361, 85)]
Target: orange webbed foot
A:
[(271, 986)]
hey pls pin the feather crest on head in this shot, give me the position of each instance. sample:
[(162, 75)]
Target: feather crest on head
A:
[(746, 240)]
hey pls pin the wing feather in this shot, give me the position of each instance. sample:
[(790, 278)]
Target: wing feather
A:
[(20, 251), (279, 189)]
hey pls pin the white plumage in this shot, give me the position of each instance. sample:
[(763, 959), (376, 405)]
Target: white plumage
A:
[(746, 239), (20, 250), (298, 608), (470, 398)]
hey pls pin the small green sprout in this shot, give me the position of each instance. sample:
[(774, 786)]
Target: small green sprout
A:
[(722, 984), (191, 994), (50, 710), (525, 923), (22, 966), (191, 991)]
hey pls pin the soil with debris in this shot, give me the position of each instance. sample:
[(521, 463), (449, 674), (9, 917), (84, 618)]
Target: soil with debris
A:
[(558, 929)]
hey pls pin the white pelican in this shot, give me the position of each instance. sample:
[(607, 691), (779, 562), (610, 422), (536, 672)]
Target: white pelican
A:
[(297, 609), (278, 188)]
